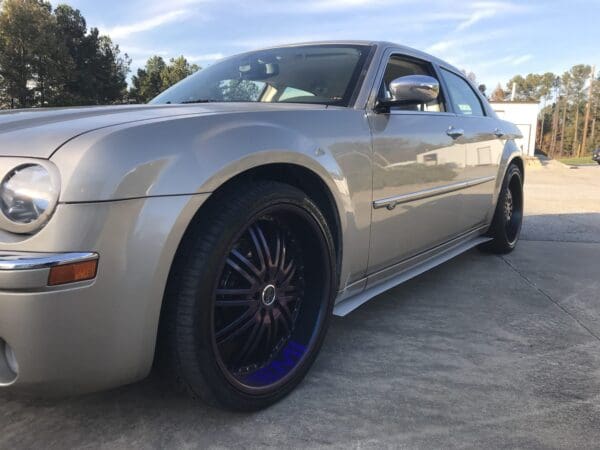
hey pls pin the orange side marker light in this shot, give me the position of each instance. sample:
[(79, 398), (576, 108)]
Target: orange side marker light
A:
[(71, 273)]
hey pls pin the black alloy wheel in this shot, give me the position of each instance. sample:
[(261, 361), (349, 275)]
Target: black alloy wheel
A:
[(508, 217), (250, 296)]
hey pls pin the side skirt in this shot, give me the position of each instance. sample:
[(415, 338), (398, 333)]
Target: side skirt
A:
[(349, 304)]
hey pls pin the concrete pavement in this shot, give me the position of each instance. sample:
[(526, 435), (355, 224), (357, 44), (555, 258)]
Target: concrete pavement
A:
[(484, 351)]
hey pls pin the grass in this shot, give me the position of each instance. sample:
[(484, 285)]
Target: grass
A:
[(581, 161)]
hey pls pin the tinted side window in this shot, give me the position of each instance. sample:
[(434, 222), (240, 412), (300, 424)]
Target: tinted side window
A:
[(462, 96), (399, 66)]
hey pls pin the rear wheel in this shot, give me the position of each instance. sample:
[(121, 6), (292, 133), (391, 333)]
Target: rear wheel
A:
[(250, 297), (508, 217)]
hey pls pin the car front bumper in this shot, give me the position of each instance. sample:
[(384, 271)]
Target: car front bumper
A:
[(95, 334), (32, 313)]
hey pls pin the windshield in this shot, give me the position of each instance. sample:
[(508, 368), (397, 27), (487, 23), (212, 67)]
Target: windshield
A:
[(323, 74)]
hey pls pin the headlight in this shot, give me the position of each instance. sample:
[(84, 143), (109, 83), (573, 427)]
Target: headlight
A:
[(28, 196)]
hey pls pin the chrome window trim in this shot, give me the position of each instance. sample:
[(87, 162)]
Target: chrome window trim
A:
[(391, 202), (31, 261), (400, 112)]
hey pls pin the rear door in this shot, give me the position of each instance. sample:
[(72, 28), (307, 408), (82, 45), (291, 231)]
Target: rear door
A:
[(483, 149), (418, 162)]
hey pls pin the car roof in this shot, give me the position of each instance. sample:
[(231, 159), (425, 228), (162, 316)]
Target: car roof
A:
[(383, 45)]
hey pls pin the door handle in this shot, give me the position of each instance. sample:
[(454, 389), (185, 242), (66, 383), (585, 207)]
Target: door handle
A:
[(498, 133), (455, 133)]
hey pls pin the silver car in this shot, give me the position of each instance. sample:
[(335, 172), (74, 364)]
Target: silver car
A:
[(215, 230)]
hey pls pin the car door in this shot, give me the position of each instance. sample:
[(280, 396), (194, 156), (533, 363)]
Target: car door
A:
[(484, 144), (418, 159)]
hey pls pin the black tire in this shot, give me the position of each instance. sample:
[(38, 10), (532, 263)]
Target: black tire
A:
[(264, 228), (508, 216)]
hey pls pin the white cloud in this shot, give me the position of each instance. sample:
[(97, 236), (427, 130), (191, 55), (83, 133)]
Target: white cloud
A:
[(486, 10), (521, 59), (459, 44), (475, 17), (139, 52), (123, 31), (330, 5), (206, 57)]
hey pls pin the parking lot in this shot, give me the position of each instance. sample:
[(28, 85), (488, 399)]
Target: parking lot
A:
[(484, 351)]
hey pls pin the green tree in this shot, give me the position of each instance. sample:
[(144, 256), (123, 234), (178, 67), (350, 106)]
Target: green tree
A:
[(32, 62), (594, 138), (177, 69), (100, 70), (156, 76), (532, 87), (498, 95), (147, 83), (573, 82), (49, 58)]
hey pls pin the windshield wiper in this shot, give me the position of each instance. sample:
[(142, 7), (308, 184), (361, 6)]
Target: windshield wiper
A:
[(199, 100)]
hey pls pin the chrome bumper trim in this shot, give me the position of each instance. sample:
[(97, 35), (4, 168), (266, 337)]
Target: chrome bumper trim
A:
[(31, 261)]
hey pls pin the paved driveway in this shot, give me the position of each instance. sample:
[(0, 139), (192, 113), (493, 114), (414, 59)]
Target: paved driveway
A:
[(482, 352)]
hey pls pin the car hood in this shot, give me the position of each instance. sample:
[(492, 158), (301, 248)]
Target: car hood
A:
[(38, 133)]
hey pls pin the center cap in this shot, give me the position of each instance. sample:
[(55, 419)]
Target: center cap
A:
[(268, 295)]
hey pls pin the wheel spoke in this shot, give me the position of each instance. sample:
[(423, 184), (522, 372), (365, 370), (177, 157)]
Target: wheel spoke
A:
[(254, 281), (274, 324), (288, 277), (281, 264), (264, 245), (236, 327), (286, 317), (235, 292), (252, 341), (278, 245), (269, 329), (258, 247), (287, 298), (255, 270), (230, 303)]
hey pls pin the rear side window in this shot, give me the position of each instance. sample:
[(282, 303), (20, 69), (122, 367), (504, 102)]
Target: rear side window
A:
[(462, 95)]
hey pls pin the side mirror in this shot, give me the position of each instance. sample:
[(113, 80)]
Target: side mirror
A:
[(411, 90)]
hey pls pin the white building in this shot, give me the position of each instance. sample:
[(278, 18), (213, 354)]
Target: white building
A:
[(524, 115)]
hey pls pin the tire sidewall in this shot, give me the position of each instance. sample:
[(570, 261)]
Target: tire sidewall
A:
[(512, 172)]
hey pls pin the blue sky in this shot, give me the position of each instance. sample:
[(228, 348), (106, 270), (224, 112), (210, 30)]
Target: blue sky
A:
[(494, 39)]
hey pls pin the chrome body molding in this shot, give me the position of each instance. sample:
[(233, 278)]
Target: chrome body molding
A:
[(391, 202), (34, 261)]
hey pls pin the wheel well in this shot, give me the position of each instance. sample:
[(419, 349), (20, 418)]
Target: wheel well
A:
[(299, 177), (519, 162)]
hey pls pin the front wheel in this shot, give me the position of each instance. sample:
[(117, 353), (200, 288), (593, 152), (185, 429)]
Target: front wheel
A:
[(250, 296), (508, 217)]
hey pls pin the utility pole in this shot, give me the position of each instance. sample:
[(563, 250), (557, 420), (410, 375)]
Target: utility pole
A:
[(587, 112)]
